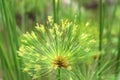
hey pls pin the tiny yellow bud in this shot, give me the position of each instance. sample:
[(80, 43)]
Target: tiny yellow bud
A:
[(56, 27), (37, 25), (83, 36), (40, 28), (60, 34), (47, 44), (35, 77), (21, 54), (37, 67), (70, 78), (25, 70), (33, 35), (69, 68), (37, 55), (24, 41), (51, 31), (87, 50), (92, 41), (50, 19), (43, 58), (26, 35), (87, 24)]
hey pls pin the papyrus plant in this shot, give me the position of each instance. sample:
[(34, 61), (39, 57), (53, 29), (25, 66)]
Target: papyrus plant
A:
[(56, 49)]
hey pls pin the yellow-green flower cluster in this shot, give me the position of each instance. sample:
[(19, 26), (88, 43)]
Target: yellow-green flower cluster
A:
[(55, 46)]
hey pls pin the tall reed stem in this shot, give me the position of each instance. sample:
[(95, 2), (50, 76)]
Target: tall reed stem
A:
[(56, 10), (101, 26), (100, 30), (79, 5), (5, 61), (118, 55), (12, 34), (11, 63)]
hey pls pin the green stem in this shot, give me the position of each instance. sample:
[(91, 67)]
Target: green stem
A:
[(101, 27), (118, 55), (113, 13), (7, 11), (100, 31), (6, 62), (79, 11), (110, 21), (56, 10), (23, 22), (58, 74)]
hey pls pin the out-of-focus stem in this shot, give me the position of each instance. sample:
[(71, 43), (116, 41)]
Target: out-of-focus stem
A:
[(58, 74), (56, 10), (100, 30), (118, 56)]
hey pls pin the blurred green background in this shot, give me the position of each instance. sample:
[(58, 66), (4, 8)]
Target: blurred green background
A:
[(20, 16)]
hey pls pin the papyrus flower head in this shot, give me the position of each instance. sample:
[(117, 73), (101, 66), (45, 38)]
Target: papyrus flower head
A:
[(46, 49)]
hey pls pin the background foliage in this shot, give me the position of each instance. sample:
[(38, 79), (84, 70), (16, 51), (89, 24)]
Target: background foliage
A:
[(20, 16)]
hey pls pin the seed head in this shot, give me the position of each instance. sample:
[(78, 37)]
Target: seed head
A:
[(58, 46)]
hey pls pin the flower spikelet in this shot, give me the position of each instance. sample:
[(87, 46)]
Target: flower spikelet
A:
[(61, 46)]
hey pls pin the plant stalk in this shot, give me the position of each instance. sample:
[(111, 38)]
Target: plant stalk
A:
[(101, 27), (118, 56), (58, 74), (56, 10), (100, 32)]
